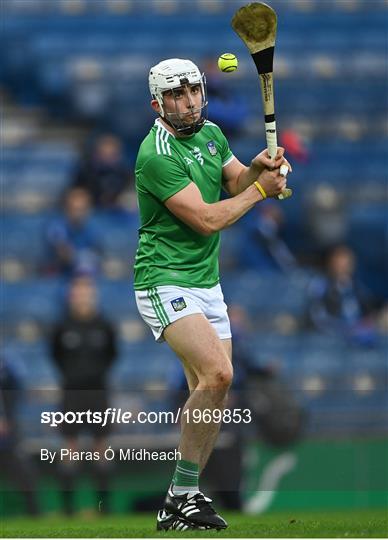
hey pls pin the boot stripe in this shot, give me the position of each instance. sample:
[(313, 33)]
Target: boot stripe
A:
[(188, 513)]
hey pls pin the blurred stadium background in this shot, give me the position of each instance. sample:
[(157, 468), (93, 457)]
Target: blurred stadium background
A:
[(73, 68)]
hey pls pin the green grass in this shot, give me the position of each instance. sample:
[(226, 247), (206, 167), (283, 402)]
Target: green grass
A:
[(356, 523)]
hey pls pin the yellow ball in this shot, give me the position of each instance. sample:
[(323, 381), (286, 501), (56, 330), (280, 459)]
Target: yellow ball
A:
[(227, 62)]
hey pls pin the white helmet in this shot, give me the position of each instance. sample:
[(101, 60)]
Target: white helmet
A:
[(172, 74)]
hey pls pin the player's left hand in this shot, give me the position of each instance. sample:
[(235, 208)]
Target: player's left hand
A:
[(263, 161)]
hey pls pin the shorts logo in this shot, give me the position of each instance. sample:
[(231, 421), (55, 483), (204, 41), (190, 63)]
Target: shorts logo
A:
[(178, 304), (212, 148)]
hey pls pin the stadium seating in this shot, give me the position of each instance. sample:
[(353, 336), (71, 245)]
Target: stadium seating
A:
[(53, 48)]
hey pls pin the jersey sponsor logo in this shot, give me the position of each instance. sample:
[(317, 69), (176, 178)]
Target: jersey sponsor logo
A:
[(212, 148), (197, 154), (178, 304), (188, 160)]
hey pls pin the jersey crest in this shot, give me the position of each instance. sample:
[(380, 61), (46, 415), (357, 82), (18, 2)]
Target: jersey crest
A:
[(212, 148)]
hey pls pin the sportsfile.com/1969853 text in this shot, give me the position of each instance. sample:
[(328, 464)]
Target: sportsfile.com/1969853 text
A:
[(113, 415)]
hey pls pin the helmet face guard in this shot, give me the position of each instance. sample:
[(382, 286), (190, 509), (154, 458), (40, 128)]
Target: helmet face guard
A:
[(169, 76), (180, 122)]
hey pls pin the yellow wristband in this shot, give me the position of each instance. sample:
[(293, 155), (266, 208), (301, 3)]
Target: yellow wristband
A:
[(260, 188)]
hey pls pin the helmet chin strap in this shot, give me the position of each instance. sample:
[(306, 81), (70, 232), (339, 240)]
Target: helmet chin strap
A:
[(195, 127)]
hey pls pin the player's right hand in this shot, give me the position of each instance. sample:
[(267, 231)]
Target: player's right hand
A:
[(272, 182), (263, 160)]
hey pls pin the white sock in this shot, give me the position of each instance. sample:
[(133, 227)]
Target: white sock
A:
[(182, 490)]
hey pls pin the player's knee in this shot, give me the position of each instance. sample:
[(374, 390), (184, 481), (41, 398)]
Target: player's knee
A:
[(226, 377), (221, 378)]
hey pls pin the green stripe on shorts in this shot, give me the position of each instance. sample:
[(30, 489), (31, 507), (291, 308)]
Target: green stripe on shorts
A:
[(161, 306), (158, 312)]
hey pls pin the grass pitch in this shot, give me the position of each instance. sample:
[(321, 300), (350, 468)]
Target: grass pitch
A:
[(359, 524)]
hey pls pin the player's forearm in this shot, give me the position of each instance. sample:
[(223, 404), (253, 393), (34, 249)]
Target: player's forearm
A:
[(222, 214), (246, 177)]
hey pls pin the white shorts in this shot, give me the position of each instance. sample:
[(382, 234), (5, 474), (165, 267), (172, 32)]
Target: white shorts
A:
[(160, 306)]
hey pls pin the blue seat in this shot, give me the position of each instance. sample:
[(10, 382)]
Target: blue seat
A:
[(367, 225), (268, 293), (143, 363), (23, 238), (41, 300), (45, 183), (117, 298), (118, 234), (34, 363)]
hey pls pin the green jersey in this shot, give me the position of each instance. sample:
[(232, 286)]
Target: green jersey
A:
[(169, 251)]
